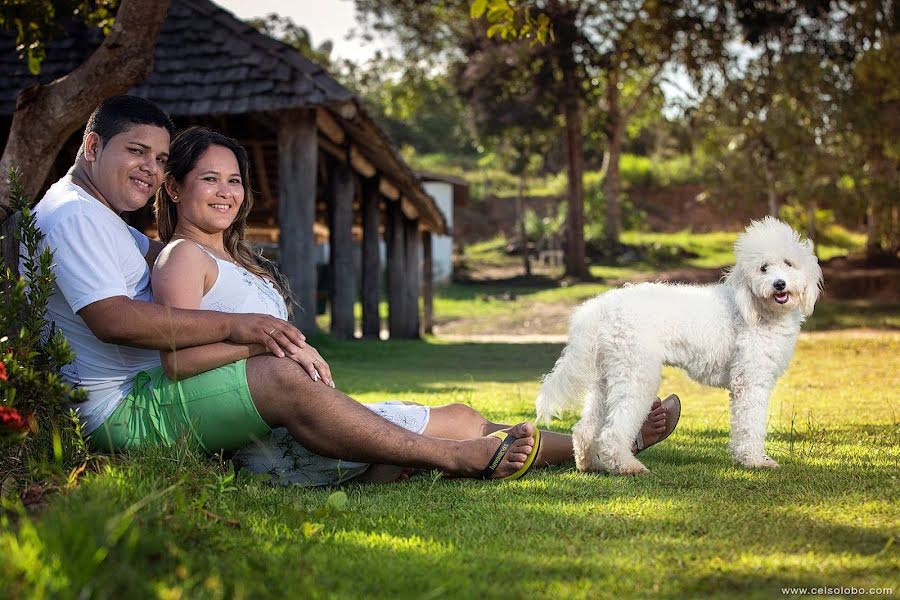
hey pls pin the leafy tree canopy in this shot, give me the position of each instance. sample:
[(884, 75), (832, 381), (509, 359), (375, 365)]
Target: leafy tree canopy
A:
[(35, 21)]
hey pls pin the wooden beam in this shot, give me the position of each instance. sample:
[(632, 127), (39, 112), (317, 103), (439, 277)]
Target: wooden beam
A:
[(361, 163), (427, 284), (262, 176), (413, 282), (340, 224), (408, 208), (386, 187), (297, 167), (327, 125), (396, 271), (334, 150), (371, 261)]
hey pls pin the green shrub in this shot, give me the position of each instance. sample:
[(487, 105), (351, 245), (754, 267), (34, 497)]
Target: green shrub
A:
[(539, 229), (31, 354), (828, 231)]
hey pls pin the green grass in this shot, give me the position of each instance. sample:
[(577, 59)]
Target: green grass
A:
[(494, 308), (169, 524), (487, 176)]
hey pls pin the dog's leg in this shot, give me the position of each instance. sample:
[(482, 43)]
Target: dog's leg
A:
[(629, 397), (584, 434), (749, 406)]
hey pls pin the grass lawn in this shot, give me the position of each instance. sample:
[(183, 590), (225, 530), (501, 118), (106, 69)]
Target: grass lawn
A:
[(170, 524)]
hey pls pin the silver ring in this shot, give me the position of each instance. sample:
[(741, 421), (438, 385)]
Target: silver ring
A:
[(273, 330)]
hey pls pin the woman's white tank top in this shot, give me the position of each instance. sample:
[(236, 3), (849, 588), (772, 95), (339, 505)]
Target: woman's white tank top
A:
[(237, 290)]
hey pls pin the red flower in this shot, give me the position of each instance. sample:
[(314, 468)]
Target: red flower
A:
[(12, 421), (2, 371)]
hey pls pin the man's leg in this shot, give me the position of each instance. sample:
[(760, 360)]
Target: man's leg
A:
[(331, 424)]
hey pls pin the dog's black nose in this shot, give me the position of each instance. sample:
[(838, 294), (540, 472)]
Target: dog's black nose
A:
[(779, 284)]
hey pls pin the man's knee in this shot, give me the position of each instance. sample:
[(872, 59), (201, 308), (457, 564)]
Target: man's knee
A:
[(276, 372)]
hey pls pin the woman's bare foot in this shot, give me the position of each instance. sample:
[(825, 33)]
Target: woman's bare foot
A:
[(475, 454), (655, 425)]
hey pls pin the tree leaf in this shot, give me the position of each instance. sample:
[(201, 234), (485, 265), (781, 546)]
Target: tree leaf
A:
[(477, 9)]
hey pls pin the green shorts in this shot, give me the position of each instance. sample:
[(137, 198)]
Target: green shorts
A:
[(213, 410)]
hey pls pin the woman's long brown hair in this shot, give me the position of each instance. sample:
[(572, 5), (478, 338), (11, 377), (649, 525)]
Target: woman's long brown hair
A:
[(187, 148)]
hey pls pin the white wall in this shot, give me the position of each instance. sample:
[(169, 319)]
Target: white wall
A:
[(442, 245)]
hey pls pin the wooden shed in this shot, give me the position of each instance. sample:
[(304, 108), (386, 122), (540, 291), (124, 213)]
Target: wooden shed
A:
[(321, 167)]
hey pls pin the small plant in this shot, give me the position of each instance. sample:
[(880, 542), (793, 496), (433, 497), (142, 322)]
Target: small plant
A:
[(35, 422)]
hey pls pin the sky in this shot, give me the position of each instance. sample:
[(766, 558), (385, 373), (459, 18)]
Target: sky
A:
[(324, 19)]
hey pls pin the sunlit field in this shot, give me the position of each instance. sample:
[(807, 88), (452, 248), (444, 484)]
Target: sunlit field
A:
[(172, 524)]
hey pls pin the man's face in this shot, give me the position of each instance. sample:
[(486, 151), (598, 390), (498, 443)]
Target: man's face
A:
[(128, 168)]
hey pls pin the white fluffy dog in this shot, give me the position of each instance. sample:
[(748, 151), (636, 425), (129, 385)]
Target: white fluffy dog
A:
[(739, 334)]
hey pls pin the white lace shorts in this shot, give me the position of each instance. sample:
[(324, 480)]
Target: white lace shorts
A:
[(290, 463)]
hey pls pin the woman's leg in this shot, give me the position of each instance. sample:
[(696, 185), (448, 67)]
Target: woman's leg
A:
[(460, 422)]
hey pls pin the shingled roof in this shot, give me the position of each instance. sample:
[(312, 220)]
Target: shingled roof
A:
[(208, 62)]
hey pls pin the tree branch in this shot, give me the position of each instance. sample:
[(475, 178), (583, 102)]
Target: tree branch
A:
[(636, 103), (123, 59)]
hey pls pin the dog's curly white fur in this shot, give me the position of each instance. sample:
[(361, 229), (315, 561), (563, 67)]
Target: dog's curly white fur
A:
[(739, 334)]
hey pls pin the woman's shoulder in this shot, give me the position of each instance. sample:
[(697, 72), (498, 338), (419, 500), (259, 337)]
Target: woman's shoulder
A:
[(182, 253)]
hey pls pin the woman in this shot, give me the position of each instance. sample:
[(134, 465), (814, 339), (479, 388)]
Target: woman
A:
[(201, 213)]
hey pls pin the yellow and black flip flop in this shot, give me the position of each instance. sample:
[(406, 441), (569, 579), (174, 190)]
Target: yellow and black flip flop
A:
[(506, 442)]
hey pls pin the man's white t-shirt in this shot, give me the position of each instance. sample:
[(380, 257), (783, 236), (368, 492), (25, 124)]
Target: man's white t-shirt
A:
[(95, 256)]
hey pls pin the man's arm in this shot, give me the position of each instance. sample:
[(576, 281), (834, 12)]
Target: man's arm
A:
[(121, 320)]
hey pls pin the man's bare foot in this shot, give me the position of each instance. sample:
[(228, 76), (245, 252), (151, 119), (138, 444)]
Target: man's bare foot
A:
[(385, 474), (475, 454)]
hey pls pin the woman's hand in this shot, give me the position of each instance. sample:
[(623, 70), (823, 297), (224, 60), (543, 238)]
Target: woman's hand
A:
[(313, 363)]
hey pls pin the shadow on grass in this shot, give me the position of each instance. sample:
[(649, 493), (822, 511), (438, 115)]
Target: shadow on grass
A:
[(416, 367), (844, 315)]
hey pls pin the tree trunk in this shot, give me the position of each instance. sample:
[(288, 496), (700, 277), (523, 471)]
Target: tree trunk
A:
[(770, 190), (873, 241), (520, 218), (567, 31), (811, 224), (575, 252), (46, 115), (612, 180), (873, 206)]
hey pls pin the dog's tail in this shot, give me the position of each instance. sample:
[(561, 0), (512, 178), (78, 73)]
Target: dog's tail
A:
[(572, 376)]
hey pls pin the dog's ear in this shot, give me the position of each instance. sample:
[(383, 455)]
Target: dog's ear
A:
[(746, 304), (809, 295), (743, 296)]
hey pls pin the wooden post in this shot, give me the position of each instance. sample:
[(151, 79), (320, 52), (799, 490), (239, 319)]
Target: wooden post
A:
[(413, 278), (297, 164), (396, 268), (427, 284), (340, 237), (371, 262)]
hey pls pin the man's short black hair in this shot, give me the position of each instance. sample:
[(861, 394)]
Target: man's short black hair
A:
[(119, 113)]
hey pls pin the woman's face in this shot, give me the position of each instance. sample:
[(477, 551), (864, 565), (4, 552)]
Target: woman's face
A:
[(212, 192)]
